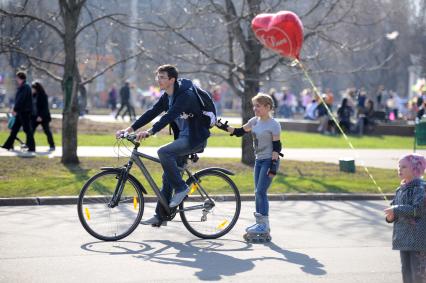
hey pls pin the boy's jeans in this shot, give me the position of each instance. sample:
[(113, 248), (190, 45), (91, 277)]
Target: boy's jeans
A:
[(261, 184), (171, 156)]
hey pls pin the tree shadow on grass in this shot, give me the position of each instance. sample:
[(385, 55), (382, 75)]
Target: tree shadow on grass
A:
[(293, 186), (80, 174)]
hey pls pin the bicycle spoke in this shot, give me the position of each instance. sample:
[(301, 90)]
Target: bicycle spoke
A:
[(206, 215), (101, 220)]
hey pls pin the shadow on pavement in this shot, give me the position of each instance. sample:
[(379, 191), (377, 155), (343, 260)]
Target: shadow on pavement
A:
[(308, 264), (207, 256)]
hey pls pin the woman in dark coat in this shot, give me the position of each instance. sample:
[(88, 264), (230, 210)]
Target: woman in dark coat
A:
[(41, 113), (344, 114)]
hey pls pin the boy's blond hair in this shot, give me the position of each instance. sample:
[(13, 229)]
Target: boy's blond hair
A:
[(263, 99)]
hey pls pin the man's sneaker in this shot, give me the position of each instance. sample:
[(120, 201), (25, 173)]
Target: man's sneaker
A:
[(52, 148), (154, 221), (178, 198)]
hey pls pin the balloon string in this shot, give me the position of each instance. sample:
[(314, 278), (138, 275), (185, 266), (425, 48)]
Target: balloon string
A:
[(338, 126)]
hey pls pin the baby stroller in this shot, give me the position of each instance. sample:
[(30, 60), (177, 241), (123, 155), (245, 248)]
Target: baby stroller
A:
[(10, 122)]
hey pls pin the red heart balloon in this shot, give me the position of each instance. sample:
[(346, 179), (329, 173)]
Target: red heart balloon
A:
[(281, 32)]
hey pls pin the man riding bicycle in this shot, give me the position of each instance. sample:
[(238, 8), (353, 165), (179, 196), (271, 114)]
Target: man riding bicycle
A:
[(183, 112)]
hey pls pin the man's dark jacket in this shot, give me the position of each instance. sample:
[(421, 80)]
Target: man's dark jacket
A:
[(23, 99), (184, 101), (125, 94)]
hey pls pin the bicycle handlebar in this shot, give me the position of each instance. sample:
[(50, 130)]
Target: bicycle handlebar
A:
[(131, 137)]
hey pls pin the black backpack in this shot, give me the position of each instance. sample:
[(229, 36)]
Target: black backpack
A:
[(207, 106)]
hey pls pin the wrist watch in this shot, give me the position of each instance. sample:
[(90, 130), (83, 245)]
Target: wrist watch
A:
[(150, 132)]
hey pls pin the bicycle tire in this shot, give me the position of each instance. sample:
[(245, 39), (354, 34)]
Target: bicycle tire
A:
[(220, 221), (119, 221)]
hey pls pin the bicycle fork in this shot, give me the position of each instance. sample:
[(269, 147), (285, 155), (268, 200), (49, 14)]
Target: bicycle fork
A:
[(208, 202), (120, 185)]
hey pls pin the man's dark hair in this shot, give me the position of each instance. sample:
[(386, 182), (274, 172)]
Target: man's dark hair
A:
[(172, 71), (21, 75)]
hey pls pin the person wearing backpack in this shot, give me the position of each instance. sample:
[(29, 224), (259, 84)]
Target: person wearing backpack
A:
[(184, 113)]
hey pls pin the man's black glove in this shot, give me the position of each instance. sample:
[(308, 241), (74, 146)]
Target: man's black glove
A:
[(222, 126)]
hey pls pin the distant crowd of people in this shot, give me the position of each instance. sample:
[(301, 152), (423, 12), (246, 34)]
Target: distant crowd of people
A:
[(356, 113)]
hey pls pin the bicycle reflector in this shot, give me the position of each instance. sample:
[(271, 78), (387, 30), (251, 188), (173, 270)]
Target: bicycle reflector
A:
[(222, 225), (87, 213), (193, 188), (135, 202)]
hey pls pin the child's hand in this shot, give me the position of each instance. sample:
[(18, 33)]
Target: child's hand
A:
[(390, 216), (222, 126)]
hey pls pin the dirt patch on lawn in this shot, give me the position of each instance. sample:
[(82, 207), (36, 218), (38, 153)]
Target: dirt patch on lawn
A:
[(86, 126)]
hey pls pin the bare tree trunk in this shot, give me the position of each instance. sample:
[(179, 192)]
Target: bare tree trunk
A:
[(70, 121), (70, 11), (252, 62), (247, 156)]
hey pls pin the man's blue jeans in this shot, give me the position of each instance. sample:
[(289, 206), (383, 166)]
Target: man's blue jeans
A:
[(261, 185), (171, 156)]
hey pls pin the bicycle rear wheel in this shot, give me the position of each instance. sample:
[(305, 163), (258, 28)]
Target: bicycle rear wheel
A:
[(218, 201), (100, 219)]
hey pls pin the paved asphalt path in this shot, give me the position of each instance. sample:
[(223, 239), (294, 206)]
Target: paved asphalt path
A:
[(315, 241)]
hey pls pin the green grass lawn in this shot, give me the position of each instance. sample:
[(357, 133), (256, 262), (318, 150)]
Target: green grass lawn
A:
[(42, 176), (219, 138)]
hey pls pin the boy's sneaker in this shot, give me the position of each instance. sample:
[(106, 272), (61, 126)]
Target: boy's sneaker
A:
[(178, 198), (154, 221)]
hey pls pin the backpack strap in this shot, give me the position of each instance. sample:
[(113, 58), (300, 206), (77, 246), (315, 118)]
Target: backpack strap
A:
[(198, 95)]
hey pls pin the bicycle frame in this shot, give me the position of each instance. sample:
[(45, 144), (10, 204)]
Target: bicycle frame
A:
[(136, 158)]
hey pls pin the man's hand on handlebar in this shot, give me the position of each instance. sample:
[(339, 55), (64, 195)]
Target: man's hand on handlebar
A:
[(121, 133), (142, 135)]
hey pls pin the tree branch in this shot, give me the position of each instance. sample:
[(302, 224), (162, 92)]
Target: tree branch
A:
[(100, 73), (110, 16), (32, 17)]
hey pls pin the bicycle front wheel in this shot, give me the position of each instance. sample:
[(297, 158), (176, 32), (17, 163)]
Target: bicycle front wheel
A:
[(97, 216), (213, 205)]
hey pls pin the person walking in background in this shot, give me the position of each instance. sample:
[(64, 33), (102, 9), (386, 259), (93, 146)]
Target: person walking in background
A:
[(360, 104), (273, 95), (344, 114), (41, 114), (365, 118), (407, 212), (381, 95), (390, 107), (217, 99), (112, 99), (420, 106), (329, 98), (287, 103), (125, 102), (322, 115), (22, 111)]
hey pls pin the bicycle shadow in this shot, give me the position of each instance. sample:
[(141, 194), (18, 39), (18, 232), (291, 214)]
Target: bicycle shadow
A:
[(208, 257)]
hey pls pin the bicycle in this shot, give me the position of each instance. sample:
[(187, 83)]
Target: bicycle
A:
[(111, 203)]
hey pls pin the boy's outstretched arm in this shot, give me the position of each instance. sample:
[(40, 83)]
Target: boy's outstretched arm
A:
[(239, 132)]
